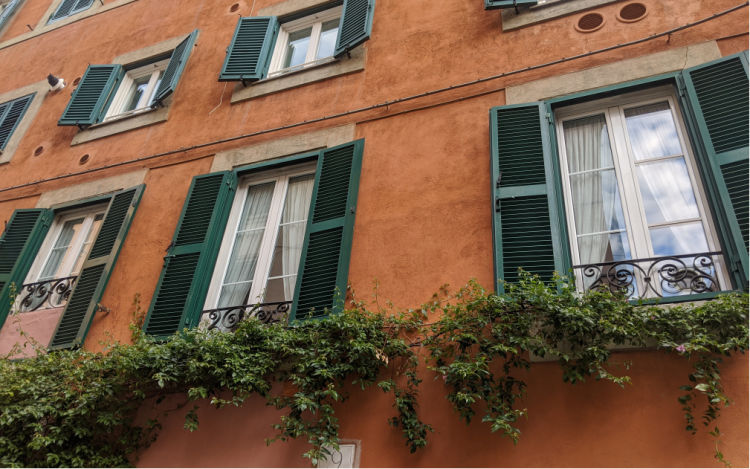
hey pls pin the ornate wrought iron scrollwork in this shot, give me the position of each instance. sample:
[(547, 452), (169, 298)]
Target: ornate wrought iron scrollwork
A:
[(667, 276), (52, 293), (227, 319)]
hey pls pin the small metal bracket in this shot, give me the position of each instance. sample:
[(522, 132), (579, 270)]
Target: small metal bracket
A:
[(497, 204), (102, 309), (499, 178)]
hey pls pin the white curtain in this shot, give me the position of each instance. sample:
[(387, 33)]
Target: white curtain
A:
[(594, 186), (294, 223), (244, 256)]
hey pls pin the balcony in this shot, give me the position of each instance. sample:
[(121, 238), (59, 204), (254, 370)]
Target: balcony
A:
[(655, 277), (227, 318), (47, 294)]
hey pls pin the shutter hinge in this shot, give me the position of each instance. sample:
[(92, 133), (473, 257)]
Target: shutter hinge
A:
[(548, 116), (499, 178), (681, 88), (497, 204), (352, 209)]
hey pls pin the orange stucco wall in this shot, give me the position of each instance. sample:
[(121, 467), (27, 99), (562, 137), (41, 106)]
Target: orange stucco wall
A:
[(423, 217)]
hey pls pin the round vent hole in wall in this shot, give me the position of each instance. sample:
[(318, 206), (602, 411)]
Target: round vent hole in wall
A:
[(632, 12), (84, 159), (76, 81), (234, 7), (39, 150), (590, 22)]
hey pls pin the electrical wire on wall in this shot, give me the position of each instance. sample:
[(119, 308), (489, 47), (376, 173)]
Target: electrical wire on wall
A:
[(387, 104)]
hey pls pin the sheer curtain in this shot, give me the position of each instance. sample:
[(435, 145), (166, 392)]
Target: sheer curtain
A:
[(593, 186), (294, 221), (244, 255)]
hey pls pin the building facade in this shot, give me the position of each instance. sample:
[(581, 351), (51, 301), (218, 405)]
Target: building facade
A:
[(205, 156)]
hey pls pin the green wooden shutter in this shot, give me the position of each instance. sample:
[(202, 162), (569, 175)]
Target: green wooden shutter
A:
[(249, 54), (175, 68), (83, 304), (494, 4), (528, 226), (324, 266), (64, 10), (717, 96), (11, 114), (18, 247), (190, 260), (86, 106), (10, 8), (355, 25), (80, 6)]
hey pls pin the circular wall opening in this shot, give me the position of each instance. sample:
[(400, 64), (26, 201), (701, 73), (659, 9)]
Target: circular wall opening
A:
[(590, 22), (84, 159), (76, 81), (234, 7), (632, 12), (39, 150)]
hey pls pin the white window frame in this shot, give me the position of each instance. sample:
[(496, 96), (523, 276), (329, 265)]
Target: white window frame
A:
[(122, 94), (316, 22), (281, 177), (89, 214), (625, 170)]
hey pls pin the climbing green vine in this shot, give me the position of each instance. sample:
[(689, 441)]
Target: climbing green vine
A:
[(80, 408)]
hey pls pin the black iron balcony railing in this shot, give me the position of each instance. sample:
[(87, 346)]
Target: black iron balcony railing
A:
[(655, 277), (227, 318), (53, 293)]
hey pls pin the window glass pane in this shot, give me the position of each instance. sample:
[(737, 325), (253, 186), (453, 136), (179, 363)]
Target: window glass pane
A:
[(138, 88), (87, 244), (587, 144), (666, 191), (598, 248), (652, 131), (597, 205), (299, 42), (245, 250), (328, 35), (291, 236), (685, 238), (61, 250), (156, 87)]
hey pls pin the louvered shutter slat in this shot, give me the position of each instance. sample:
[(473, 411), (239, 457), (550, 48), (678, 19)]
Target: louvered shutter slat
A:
[(174, 69), (10, 8), (355, 25), (494, 4), (185, 278), (19, 245), (324, 266), (65, 9), (526, 233), (86, 106), (248, 56), (8, 123), (79, 312), (717, 94)]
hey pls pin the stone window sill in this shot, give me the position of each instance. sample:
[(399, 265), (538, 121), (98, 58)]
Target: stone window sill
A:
[(301, 77), (527, 16), (122, 124)]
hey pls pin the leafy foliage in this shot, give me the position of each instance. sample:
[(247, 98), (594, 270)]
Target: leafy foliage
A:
[(78, 408)]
